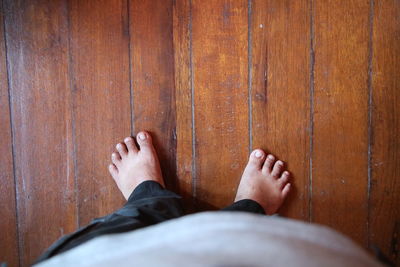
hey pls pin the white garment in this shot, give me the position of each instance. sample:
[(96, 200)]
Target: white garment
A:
[(220, 239)]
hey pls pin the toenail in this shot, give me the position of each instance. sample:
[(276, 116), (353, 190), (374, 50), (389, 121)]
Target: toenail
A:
[(280, 162), (258, 154), (142, 136), (286, 173), (118, 146), (128, 139), (270, 157)]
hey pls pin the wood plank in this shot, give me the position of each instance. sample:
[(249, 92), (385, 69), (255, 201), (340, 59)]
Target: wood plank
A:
[(384, 217), (280, 86), (100, 65), (220, 66), (340, 136), (9, 238), (183, 100), (152, 61), (37, 42)]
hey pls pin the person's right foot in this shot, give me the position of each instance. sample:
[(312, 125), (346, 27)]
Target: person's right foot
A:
[(264, 181)]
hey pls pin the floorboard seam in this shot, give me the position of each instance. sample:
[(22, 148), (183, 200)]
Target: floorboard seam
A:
[(249, 70), (194, 166), (130, 67), (369, 82), (73, 117), (12, 132), (312, 63)]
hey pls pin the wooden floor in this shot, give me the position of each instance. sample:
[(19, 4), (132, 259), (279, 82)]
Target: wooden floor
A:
[(316, 82)]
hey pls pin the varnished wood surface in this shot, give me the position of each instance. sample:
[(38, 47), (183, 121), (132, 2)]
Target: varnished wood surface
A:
[(314, 82), (37, 60), (220, 98), (384, 202), (340, 116), (280, 91), (100, 85), (8, 223), (152, 76), (183, 101)]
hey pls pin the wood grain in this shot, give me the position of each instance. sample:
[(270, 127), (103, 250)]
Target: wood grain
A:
[(210, 80), (340, 136), (280, 86), (183, 99), (8, 223), (384, 215), (37, 45), (220, 66), (101, 93), (152, 60)]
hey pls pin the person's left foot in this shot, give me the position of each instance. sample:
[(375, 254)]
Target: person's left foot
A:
[(132, 166)]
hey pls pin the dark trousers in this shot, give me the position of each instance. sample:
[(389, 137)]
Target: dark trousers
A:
[(148, 204)]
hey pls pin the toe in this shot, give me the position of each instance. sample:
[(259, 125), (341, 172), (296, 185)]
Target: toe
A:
[(277, 169), (113, 170), (284, 178), (269, 162), (122, 150), (130, 144), (144, 141), (116, 158), (286, 190), (256, 158)]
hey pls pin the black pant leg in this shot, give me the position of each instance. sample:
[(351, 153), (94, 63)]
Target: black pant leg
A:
[(148, 204), (247, 205)]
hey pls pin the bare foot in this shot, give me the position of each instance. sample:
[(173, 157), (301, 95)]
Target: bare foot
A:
[(264, 181), (132, 166)]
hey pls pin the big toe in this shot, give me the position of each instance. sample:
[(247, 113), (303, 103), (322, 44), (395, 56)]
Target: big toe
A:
[(256, 159)]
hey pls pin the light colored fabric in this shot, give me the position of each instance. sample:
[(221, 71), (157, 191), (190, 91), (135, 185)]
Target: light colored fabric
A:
[(220, 239)]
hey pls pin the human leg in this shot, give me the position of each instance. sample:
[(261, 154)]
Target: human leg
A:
[(137, 174)]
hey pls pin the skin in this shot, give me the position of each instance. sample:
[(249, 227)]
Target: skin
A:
[(264, 179), (132, 165)]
